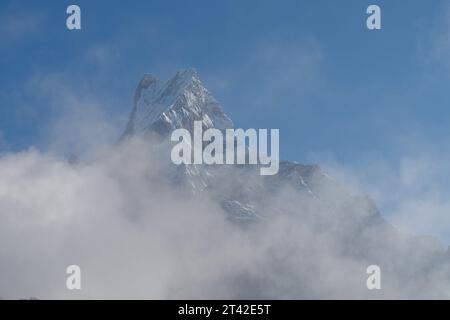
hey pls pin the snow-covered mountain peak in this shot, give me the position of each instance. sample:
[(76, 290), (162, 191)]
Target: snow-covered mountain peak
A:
[(162, 107)]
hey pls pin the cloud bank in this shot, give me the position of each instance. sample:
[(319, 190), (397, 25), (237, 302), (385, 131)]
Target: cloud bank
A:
[(135, 235)]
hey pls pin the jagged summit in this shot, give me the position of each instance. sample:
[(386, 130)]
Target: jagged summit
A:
[(160, 107)]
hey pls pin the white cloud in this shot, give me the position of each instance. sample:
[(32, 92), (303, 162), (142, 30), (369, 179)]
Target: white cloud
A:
[(412, 192), (79, 120), (135, 235)]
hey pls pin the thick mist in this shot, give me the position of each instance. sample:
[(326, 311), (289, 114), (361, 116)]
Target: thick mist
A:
[(134, 234)]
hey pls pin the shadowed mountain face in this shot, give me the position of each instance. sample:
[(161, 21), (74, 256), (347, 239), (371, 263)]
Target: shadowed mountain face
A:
[(305, 195)]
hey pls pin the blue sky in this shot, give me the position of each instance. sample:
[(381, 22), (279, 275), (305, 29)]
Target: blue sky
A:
[(310, 68), (338, 92)]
